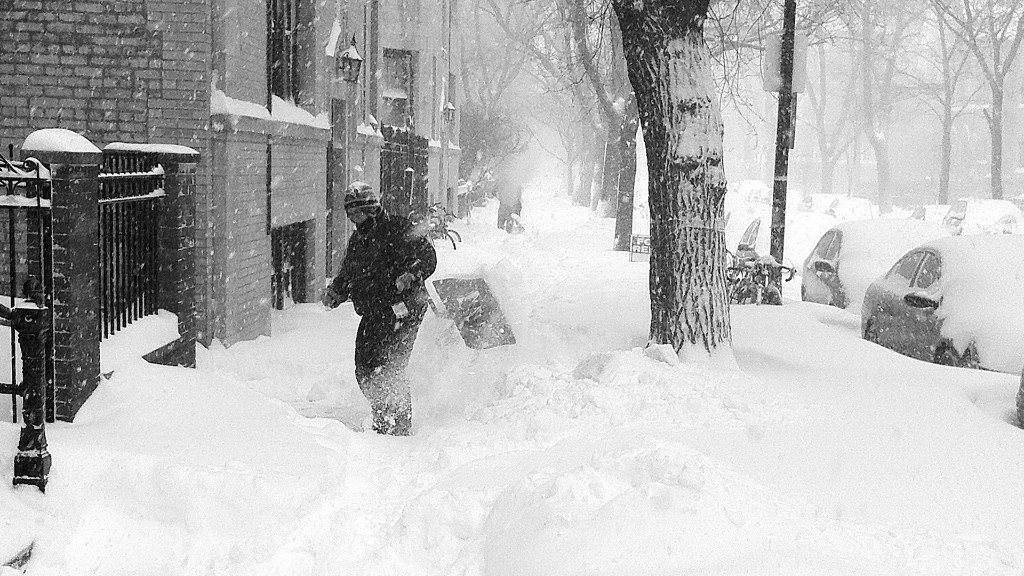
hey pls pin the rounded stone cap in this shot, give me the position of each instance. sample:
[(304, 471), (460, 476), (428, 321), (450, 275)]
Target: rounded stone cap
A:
[(61, 146), (166, 152)]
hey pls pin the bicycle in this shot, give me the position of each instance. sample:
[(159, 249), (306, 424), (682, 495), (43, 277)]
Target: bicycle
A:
[(434, 224), (752, 281)]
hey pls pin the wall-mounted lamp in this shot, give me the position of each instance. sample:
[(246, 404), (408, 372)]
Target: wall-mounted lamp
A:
[(350, 62)]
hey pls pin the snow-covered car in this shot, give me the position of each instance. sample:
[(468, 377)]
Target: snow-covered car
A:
[(852, 254), (930, 212), (955, 301), (840, 206), (983, 216), (1018, 201), (1020, 401)]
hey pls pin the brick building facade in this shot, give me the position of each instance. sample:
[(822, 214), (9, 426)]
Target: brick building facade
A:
[(289, 133), (124, 71), (254, 87)]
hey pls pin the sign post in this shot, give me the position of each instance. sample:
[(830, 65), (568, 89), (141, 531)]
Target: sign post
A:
[(785, 136)]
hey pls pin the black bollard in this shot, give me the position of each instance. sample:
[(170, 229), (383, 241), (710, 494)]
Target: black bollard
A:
[(32, 463)]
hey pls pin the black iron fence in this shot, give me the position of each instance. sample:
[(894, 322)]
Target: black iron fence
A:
[(25, 220), (403, 171), (83, 241), (131, 189)]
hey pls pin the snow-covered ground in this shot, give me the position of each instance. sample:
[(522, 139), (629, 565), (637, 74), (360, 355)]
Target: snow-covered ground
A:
[(806, 451)]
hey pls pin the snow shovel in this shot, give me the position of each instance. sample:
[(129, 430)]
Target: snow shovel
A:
[(474, 309)]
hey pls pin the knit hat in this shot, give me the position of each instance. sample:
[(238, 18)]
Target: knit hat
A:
[(361, 195)]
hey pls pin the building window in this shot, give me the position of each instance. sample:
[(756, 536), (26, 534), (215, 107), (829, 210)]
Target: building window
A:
[(284, 47), (396, 88)]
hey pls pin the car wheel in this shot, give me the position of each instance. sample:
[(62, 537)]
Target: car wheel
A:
[(946, 354)]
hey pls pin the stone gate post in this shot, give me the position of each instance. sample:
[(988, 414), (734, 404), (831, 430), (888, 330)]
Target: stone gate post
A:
[(74, 164)]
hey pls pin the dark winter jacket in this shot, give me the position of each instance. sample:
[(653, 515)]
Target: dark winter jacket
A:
[(380, 250)]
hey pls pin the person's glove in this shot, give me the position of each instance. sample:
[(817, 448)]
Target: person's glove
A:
[(403, 282), (331, 299)]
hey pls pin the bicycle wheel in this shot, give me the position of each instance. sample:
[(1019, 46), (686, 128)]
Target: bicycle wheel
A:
[(772, 296)]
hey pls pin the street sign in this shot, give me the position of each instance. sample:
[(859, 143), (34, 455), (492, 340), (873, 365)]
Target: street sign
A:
[(771, 63), (639, 248)]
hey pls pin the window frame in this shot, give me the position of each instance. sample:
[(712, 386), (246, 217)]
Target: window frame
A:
[(892, 274), (929, 255), (390, 57)]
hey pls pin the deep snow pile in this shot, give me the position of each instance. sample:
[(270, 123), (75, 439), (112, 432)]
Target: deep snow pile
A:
[(576, 451)]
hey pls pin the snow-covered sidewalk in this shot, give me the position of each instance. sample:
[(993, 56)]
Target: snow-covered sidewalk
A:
[(572, 452)]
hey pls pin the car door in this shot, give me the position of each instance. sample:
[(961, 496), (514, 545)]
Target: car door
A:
[(888, 320), (920, 326)]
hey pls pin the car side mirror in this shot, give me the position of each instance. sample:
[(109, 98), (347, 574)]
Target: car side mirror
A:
[(823, 267), (920, 300)]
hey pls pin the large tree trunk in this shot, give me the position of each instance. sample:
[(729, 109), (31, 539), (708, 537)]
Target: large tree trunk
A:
[(611, 168), (627, 178), (828, 173), (873, 125), (669, 67), (883, 172), (945, 151), (995, 127), (588, 164)]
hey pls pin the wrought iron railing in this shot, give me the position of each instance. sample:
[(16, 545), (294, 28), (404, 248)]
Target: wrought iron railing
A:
[(25, 200), (403, 171), (131, 189)]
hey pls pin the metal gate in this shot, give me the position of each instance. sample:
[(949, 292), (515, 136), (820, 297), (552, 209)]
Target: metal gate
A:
[(26, 249), (403, 171)]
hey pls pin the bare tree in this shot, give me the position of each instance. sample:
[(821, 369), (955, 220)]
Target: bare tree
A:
[(490, 129), (881, 29), (832, 123), (992, 30), (938, 79), (555, 64), (669, 66)]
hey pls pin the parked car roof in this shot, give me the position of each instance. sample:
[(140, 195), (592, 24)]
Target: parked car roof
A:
[(870, 247), (841, 206), (984, 216), (981, 288)]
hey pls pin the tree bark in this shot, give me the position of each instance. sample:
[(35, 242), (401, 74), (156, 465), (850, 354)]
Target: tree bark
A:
[(872, 125), (828, 170), (669, 67), (627, 178), (995, 127), (945, 152), (585, 193)]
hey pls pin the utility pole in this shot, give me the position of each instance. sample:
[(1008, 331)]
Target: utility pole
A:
[(785, 134)]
